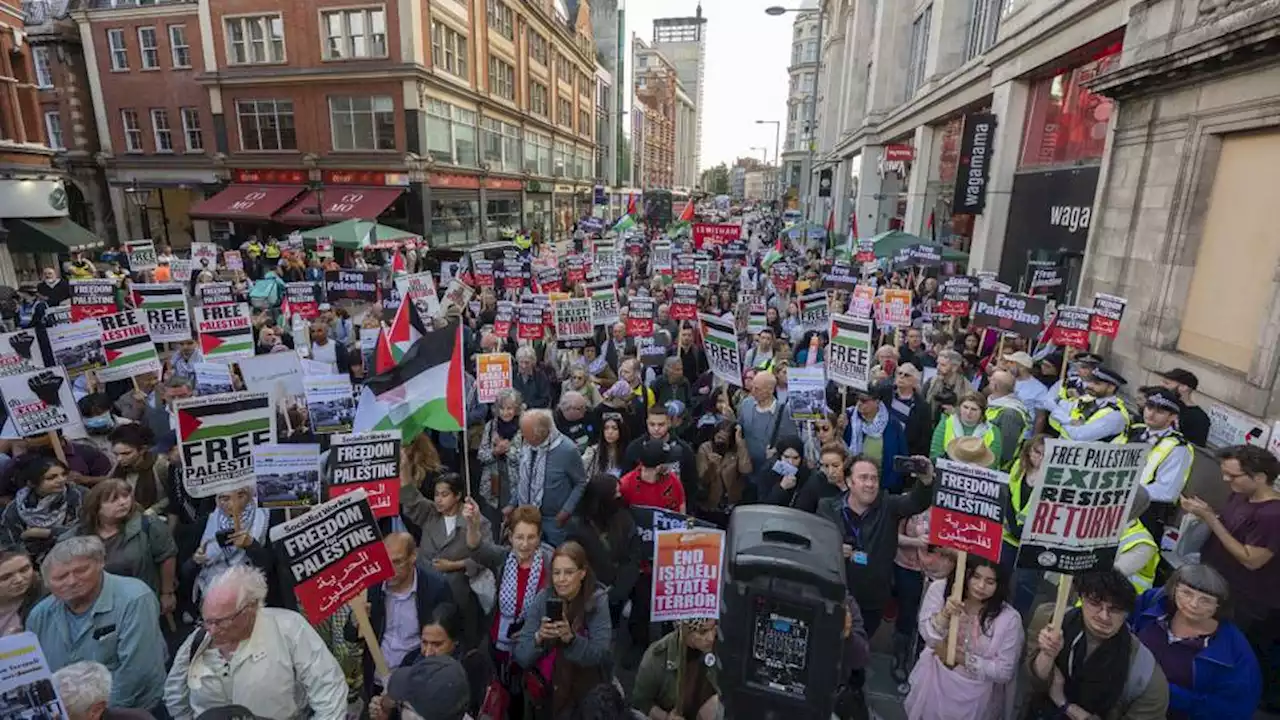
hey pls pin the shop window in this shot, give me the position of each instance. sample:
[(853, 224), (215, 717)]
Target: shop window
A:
[(1225, 327), (500, 215), (454, 221), (1067, 124)]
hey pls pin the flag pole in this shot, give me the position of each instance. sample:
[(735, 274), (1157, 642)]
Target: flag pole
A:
[(466, 447)]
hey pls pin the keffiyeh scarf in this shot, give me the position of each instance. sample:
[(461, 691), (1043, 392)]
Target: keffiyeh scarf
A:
[(533, 467), (859, 428), (41, 512), (508, 592)]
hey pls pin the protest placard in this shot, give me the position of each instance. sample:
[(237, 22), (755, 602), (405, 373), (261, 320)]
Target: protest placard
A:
[(1080, 506), (226, 332), (1043, 277), (213, 378), (684, 302), (180, 270), (20, 353), (710, 234), (288, 474), (215, 293), (720, 343), (92, 298), (686, 266), (530, 323), (815, 313), (862, 301), (1071, 327), (957, 295), (642, 313), (216, 435), (840, 276), (128, 347), (456, 294), (357, 285), (204, 256), (503, 318), (849, 354), (574, 327), (783, 277), (165, 307), (1108, 310), (604, 302), (368, 461), (968, 510), (141, 255), (548, 279), (303, 298), (331, 404), (807, 393), (1018, 314), (493, 375), (78, 346), (233, 260), (660, 258), (27, 690), (40, 401), (420, 288), (332, 554), (686, 574)]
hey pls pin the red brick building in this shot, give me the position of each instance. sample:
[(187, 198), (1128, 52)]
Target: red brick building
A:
[(451, 118)]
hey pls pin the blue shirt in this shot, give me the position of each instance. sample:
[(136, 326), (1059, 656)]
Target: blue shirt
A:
[(121, 630)]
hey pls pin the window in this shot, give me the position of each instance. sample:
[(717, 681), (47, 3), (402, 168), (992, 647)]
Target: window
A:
[(584, 123), (449, 50), (455, 221), (53, 129), (919, 52), (564, 113), (502, 79), (501, 142), (537, 153), (1067, 124), (501, 19), (537, 46), (119, 53), (363, 123), (561, 161), (179, 48), (1224, 327), (132, 131), (984, 22), (161, 131), (149, 48), (538, 98), (451, 133), (256, 39), (191, 129), (266, 125), (44, 74), (584, 85), (360, 33)]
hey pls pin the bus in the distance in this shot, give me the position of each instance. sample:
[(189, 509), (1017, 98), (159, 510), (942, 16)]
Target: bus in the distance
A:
[(657, 208)]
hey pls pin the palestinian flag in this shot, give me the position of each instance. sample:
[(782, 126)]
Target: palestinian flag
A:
[(631, 205), (161, 296), (225, 416), (685, 221), (225, 331), (773, 256), (626, 223), (128, 346), (423, 392), (397, 262), (383, 358)]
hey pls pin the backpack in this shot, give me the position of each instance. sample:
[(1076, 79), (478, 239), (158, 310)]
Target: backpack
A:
[(265, 293)]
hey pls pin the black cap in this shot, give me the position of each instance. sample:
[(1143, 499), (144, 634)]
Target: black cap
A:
[(1163, 399), (227, 712), (1107, 375), (653, 453), (1087, 358), (1182, 377)]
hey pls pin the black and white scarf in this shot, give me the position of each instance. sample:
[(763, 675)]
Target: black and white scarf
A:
[(508, 592), (533, 467)]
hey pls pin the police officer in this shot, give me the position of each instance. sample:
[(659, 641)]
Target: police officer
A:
[(79, 268), (1099, 415), (253, 250), (1168, 463)]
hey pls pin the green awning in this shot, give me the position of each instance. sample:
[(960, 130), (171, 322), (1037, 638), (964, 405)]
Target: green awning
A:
[(49, 235), (355, 234), (888, 244)]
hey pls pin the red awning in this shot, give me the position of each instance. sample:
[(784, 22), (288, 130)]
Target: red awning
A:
[(335, 204), (246, 202)]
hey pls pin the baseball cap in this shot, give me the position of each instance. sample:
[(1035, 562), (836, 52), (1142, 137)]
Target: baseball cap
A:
[(653, 453), (1182, 377), (435, 687), (1020, 358)]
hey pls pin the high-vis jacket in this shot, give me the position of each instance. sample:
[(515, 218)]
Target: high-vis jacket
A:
[(1019, 499), (1168, 464), (1107, 419), (1134, 536)]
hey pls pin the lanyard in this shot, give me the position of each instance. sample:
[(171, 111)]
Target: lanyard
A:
[(855, 529)]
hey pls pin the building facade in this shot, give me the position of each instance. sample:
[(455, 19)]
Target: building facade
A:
[(683, 41), (686, 153), (803, 79), (657, 94), (1182, 226), (607, 22), (454, 120)]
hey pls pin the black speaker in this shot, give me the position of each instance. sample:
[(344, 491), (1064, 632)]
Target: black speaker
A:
[(782, 618)]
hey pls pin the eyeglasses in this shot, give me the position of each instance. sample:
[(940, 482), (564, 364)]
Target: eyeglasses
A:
[(1195, 598), (211, 623)]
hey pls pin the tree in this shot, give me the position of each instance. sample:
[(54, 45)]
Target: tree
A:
[(715, 180)]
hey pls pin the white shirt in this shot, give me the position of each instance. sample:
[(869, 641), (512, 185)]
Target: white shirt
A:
[(282, 670), (326, 353), (1170, 474)]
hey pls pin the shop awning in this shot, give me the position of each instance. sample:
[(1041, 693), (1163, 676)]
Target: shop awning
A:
[(335, 204), (48, 235), (245, 203)]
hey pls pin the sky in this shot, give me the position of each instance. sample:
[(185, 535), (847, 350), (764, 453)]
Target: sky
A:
[(746, 73)]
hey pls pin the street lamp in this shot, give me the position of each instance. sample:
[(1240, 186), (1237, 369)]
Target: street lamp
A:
[(777, 157), (775, 11), (140, 197)]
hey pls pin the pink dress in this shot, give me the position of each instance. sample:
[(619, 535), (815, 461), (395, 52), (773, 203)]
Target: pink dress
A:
[(983, 688)]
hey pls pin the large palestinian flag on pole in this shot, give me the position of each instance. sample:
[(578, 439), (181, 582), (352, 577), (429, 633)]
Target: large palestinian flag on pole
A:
[(226, 332), (424, 391), (217, 434)]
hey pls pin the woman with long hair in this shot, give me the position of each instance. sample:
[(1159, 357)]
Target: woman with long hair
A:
[(442, 636), (138, 545), (608, 455), (607, 531), (566, 646), (45, 507), (817, 434), (979, 685), (20, 590), (420, 467), (1026, 472)]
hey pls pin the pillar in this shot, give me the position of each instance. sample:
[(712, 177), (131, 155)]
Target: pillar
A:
[(1009, 103), (869, 185), (927, 142)]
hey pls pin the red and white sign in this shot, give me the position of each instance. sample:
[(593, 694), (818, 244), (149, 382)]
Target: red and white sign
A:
[(369, 462), (715, 233), (493, 375), (895, 307), (687, 574), (967, 513), (1108, 310)]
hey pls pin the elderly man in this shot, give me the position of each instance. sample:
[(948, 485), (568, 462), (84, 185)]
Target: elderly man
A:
[(548, 474), (763, 420), (529, 381), (268, 660), (85, 689), (1007, 413), (617, 346), (574, 421), (950, 377), (908, 408), (674, 384), (92, 615)]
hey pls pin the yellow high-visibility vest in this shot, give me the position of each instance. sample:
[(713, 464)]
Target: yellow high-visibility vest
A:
[(1019, 503), (951, 432), (1134, 535)]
